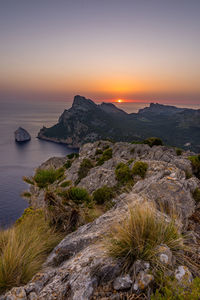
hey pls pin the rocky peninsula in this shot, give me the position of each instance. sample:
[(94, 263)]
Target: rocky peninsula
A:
[(120, 178)]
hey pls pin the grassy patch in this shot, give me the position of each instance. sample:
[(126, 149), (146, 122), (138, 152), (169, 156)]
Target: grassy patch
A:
[(179, 151), (24, 247), (153, 141), (195, 161), (98, 151), (72, 155), (68, 164), (103, 195), (79, 195), (140, 168), (137, 236), (65, 183), (123, 173)]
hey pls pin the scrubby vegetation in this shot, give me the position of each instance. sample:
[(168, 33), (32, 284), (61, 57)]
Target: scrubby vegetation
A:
[(103, 195), (98, 151), (107, 154), (79, 195), (137, 236), (140, 168), (73, 155), (123, 173), (84, 168), (24, 247), (195, 160), (179, 151), (196, 195), (174, 291), (68, 164), (44, 177), (152, 141), (65, 183)]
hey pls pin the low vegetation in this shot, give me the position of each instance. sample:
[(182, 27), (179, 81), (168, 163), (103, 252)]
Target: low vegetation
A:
[(123, 173), (68, 164), (174, 291), (98, 151), (72, 155), (103, 195), (24, 247), (195, 161), (196, 195), (152, 141), (44, 177), (140, 168), (79, 195), (179, 151), (137, 236), (84, 168), (107, 154), (65, 183)]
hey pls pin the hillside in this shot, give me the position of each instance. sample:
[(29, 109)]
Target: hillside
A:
[(152, 182), (86, 122)]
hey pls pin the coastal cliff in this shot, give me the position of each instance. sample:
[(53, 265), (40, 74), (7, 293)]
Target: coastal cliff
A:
[(155, 179), (87, 122)]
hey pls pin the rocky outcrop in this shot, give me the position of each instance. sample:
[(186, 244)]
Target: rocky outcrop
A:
[(21, 135), (87, 122), (78, 267)]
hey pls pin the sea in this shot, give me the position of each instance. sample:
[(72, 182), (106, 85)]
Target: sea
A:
[(18, 160)]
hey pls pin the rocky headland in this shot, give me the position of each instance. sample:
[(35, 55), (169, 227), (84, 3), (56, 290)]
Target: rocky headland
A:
[(87, 122), (80, 267)]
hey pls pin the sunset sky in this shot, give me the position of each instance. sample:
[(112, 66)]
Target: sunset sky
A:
[(136, 50)]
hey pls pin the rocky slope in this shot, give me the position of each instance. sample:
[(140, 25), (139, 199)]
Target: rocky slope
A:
[(21, 135), (86, 122), (79, 268)]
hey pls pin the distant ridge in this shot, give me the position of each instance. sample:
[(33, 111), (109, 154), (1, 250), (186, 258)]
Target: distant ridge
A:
[(87, 121)]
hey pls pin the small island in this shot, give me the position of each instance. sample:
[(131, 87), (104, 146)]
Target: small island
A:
[(21, 135)]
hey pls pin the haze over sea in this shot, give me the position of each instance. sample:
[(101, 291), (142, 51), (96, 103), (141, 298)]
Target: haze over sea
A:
[(18, 160)]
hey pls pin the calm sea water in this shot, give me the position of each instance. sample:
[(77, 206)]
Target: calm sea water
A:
[(17, 160)]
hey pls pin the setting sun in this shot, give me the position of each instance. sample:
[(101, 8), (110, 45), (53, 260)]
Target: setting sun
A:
[(119, 100)]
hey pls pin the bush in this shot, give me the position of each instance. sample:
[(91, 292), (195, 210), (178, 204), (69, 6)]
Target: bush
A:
[(103, 194), (84, 168), (68, 164), (79, 195), (173, 291), (72, 155), (179, 151), (195, 160), (44, 177), (65, 183), (24, 247), (26, 195), (98, 151), (153, 141), (140, 168), (123, 173), (196, 195), (137, 236), (107, 154)]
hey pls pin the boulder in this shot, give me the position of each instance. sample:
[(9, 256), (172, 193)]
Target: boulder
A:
[(21, 135)]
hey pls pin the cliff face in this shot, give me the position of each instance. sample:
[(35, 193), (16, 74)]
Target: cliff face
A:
[(86, 122), (79, 265)]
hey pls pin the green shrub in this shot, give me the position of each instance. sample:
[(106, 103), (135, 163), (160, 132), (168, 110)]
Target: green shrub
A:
[(98, 151), (84, 168), (44, 177), (65, 183), (140, 168), (123, 173), (103, 194), (132, 151), (153, 141), (79, 195), (26, 195), (107, 154), (172, 290), (24, 248), (68, 164), (28, 180), (195, 160), (196, 195), (137, 236), (130, 161), (179, 151), (188, 175), (72, 155)]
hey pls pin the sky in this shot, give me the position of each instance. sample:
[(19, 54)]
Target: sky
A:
[(134, 50)]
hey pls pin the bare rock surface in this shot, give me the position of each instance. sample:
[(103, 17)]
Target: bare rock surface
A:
[(22, 135), (79, 264)]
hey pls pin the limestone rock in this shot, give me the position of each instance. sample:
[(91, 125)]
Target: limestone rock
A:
[(142, 281), (164, 254), (21, 135), (122, 282), (183, 275)]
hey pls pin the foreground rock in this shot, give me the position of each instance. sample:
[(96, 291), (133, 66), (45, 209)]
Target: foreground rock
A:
[(21, 135), (79, 266)]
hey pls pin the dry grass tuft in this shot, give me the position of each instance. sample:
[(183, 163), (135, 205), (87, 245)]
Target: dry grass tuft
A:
[(137, 236)]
